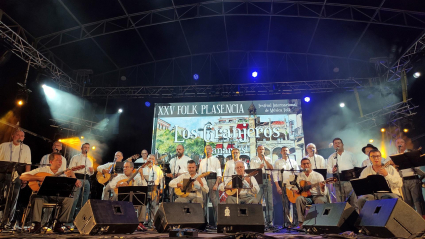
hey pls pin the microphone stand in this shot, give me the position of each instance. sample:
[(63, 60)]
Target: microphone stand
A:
[(267, 195), (338, 175), (84, 182), (208, 194), (314, 155)]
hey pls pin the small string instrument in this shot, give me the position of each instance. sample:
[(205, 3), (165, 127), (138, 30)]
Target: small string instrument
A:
[(304, 189), (130, 180), (231, 192), (35, 185), (103, 178), (181, 192)]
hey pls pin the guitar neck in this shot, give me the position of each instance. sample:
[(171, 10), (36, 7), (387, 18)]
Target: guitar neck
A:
[(133, 175)]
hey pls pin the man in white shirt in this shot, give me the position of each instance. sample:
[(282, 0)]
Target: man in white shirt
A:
[(318, 192), (266, 191), (109, 168), (55, 160), (198, 187), (412, 186), (389, 173), (144, 157), (178, 165), (345, 161), (250, 187), (366, 149), (286, 164), (56, 147), (154, 178), (229, 167), (14, 151), (317, 161), (81, 195), (211, 164)]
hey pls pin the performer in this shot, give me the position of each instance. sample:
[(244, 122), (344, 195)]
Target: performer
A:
[(14, 151), (317, 161), (211, 164), (287, 165), (107, 190), (55, 160), (229, 167), (366, 149), (318, 193), (198, 187), (144, 157), (178, 164), (153, 176), (57, 148), (345, 161), (80, 197), (266, 190), (138, 180), (412, 186), (250, 185)]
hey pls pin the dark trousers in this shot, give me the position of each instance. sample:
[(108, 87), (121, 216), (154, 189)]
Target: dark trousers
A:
[(9, 211), (412, 193)]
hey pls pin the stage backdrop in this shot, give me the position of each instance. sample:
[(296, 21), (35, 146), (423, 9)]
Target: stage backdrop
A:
[(226, 125)]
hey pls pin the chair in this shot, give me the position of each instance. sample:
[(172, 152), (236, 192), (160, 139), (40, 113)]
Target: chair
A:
[(28, 211)]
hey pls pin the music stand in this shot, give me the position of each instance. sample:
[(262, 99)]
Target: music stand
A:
[(119, 167), (237, 183), (258, 176), (347, 175), (322, 171), (57, 187), (408, 160), (372, 184), (135, 194)]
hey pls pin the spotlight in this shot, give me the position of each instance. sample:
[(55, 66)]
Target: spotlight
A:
[(383, 130), (195, 76), (82, 137), (94, 147), (237, 91), (20, 102), (254, 74), (341, 105), (405, 130), (147, 103), (370, 140), (43, 86), (60, 140), (120, 111), (307, 99), (416, 74)]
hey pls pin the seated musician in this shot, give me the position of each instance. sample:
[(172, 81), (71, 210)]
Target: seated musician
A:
[(250, 187), (105, 169), (195, 189), (55, 160), (317, 193), (390, 174)]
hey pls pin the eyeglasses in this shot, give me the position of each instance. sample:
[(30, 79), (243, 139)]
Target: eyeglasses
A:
[(375, 156), (240, 167)]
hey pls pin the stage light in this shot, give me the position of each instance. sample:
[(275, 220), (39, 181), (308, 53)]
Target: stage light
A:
[(383, 130), (43, 86), (307, 99), (60, 140), (254, 74), (416, 74), (342, 105), (82, 137), (94, 147), (370, 140), (20, 102), (405, 130), (195, 76), (237, 91), (147, 103), (120, 111)]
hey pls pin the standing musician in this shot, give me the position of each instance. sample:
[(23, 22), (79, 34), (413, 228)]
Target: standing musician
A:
[(211, 164), (109, 168), (178, 164), (81, 174), (153, 176), (14, 151), (55, 160), (389, 173), (266, 190), (198, 186), (250, 187), (337, 162), (317, 161), (412, 186), (279, 177), (318, 193), (366, 149), (229, 167), (144, 157), (56, 147)]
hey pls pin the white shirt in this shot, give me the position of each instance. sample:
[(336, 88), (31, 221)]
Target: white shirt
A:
[(21, 149), (230, 169), (78, 160), (45, 169), (45, 160), (179, 165), (393, 178), (256, 163), (317, 160), (141, 160), (213, 166), (313, 177), (286, 165), (196, 185), (346, 161), (247, 188), (137, 180), (153, 176)]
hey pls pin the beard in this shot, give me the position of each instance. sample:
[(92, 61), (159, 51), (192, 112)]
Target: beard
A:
[(179, 154)]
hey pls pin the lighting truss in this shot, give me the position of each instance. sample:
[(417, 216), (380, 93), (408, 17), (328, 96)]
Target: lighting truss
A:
[(77, 125)]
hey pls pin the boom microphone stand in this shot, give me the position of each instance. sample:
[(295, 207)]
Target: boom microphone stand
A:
[(338, 175)]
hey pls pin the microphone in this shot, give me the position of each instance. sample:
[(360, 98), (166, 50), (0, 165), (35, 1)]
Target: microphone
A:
[(57, 150), (20, 141), (337, 148), (399, 148)]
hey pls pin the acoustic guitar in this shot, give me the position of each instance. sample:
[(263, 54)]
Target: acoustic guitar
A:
[(103, 178), (130, 180), (231, 192), (35, 185), (304, 189), (181, 192)]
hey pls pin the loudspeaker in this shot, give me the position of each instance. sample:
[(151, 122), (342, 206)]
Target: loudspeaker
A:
[(240, 218), (330, 218), (104, 216), (390, 218), (183, 215)]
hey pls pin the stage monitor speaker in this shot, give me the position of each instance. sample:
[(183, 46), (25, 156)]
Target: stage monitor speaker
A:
[(182, 215), (390, 218), (232, 218), (330, 218), (106, 217)]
